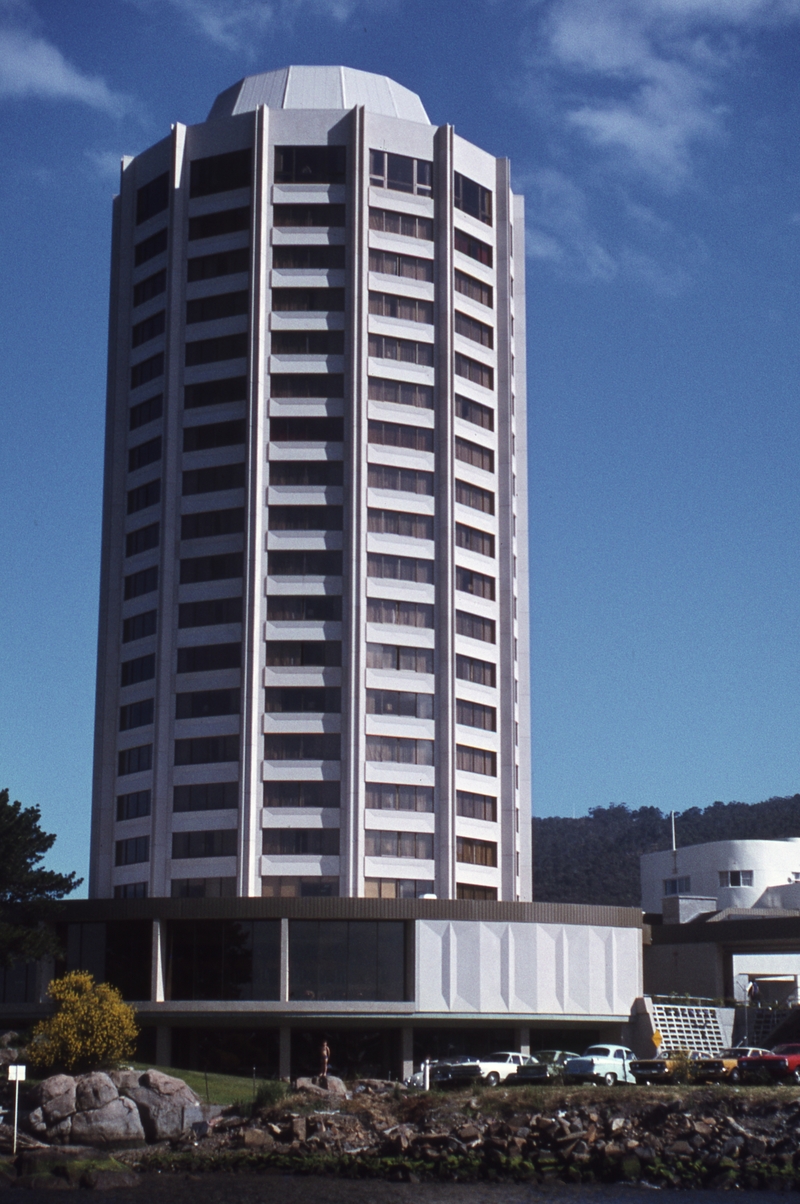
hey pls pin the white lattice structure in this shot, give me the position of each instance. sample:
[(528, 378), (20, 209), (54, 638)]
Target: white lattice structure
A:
[(683, 1026)]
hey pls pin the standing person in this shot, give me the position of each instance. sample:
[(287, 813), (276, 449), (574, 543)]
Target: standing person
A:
[(754, 994), (325, 1054)]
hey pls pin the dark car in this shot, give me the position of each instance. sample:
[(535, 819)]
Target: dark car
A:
[(455, 1072), (545, 1066), (782, 1064)]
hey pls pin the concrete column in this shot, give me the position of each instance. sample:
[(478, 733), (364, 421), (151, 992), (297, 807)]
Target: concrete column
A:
[(157, 964), (163, 1046), (522, 1038), (406, 1053), (284, 984), (284, 1053)]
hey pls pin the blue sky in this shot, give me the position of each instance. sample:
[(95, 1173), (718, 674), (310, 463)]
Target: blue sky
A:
[(656, 142)]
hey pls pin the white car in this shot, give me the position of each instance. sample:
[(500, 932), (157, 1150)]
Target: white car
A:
[(608, 1064), (498, 1066)]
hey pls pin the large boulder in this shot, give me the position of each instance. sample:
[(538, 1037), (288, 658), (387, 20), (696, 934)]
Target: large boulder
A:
[(52, 1087), (166, 1105), (116, 1123), (94, 1091)]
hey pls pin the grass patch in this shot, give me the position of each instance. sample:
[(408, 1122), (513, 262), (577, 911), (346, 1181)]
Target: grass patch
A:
[(222, 1088)]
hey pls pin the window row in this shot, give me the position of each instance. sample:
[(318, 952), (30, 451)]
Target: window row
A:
[(390, 263), (404, 351), (418, 845)]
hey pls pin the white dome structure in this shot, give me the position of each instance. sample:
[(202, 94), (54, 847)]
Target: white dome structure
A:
[(320, 88)]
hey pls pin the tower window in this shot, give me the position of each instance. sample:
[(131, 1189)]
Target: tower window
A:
[(382, 796), (475, 714), (677, 886), (299, 216), (471, 328), (477, 584), (301, 794), (310, 164), (397, 434), (150, 247), (225, 221), (398, 522), (400, 657), (400, 173), (417, 845), (472, 198), (482, 673), (404, 224), (471, 370), (400, 568), (152, 198), (476, 290), (475, 627), (220, 173), (476, 852), (466, 244), (476, 760), (474, 454), (287, 842), (474, 497), (474, 412), (405, 480), (469, 538), (736, 877), (476, 806), (401, 703), (213, 843), (133, 851)]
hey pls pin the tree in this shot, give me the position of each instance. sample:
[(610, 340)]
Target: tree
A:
[(92, 1026), (27, 889)]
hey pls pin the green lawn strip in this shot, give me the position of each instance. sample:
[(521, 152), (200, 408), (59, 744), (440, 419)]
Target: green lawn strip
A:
[(222, 1088)]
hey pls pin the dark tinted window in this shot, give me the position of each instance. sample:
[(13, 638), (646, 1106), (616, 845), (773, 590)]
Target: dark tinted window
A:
[(309, 841), (145, 290), (211, 568), (144, 454), (474, 412), (224, 263), (133, 851), (320, 700), (468, 245), (306, 430), (215, 392), (304, 608), (207, 702), (317, 384), (223, 959), (308, 215), (152, 198), (347, 959), (214, 434), (306, 472), (322, 256), (141, 668), (206, 750), (143, 582), (302, 746), (212, 522), (226, 221), (145, 411), (142, 540), (206, 796), (138, 626), (477, 584), (472, 198), (301, 794), (305, 564), (307, 342), (305, 518), (149, 329), (150, 247), (204, 658), (211, 612), (219, 305), (300, 300), (220, 173), (213, 351), (310, 164), (133, 806), (147, 370), (214, 479), (136, 714), (144, 496)]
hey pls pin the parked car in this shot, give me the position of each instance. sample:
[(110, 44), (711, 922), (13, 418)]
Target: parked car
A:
[(662, 1068), (545, 1066), (459, 1071), (782, 1063), (498, 1066), (418, 1078), (607, 1064), (724, 1067)]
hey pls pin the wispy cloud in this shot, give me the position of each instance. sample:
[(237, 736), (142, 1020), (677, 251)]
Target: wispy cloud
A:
[(627, 96), (30, 66), (105, 164), (641, 80), (236, 24)]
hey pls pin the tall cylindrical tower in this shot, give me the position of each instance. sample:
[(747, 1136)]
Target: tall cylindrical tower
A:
[(313, 653)]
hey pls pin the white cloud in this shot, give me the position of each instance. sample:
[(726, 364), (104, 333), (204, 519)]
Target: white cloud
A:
[(559, 229), (234, 24), (640, 80), (30, 66)]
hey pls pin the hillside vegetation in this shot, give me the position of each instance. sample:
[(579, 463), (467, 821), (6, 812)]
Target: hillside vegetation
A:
[(595, 859)]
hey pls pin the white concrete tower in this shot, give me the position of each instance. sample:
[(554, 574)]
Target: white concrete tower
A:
[(313, 649)]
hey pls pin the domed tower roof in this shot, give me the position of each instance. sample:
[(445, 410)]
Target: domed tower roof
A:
[(320, 88)]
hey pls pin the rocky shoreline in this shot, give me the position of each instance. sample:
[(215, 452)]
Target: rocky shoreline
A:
[(688, 1137)]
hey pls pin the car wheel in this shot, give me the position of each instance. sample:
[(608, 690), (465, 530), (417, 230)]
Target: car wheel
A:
[(734, 1077), (492, 1079), (609, 1079)]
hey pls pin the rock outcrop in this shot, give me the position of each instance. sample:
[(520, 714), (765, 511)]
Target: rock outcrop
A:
[(118, 1109)]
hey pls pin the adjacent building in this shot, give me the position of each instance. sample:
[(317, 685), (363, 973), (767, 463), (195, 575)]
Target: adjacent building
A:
[(313, 651)]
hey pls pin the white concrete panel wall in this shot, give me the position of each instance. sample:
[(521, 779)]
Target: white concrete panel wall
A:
[(517, 968), (772, 862)]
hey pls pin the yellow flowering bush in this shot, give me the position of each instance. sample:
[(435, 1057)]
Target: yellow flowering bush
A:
[(92, 1026)]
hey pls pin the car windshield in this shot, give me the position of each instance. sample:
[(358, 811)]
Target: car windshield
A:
[(547, 1055), (733, 1053), (597, 1051), (498, 1057), (460, 1060)]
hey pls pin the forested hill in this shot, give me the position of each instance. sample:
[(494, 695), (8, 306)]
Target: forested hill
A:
[(595, 859)]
